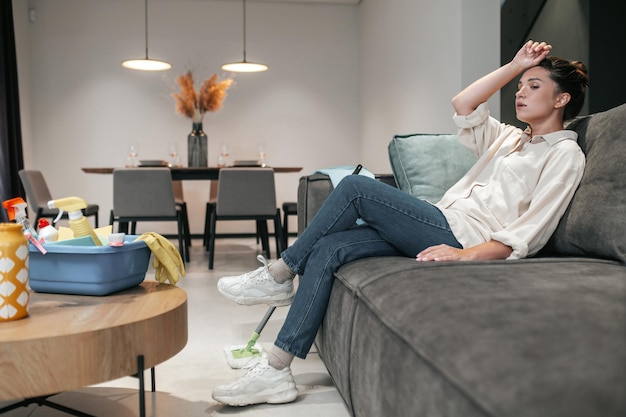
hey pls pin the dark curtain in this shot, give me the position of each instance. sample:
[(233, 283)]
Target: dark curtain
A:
[(11, 160)]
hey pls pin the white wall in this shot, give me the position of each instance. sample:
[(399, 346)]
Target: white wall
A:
[(415, 56), (86, 108), (343, 79)]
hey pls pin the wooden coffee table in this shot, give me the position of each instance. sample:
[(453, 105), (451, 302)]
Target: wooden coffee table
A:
[(71, 341)]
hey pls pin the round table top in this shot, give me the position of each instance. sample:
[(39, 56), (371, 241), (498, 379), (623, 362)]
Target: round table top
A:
[(71, 341)]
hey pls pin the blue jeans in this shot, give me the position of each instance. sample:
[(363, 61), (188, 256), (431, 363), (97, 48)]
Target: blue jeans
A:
[(396, 224)]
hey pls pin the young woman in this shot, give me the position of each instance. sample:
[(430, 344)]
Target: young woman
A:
[(505, 207)]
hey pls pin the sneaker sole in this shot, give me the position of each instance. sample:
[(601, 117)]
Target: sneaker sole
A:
[(250, 301), (282, 397)]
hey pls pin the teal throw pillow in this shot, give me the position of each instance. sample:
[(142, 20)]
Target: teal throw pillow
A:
[(427, 165)]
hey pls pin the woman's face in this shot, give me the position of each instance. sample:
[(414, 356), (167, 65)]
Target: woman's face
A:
[(536, 96)]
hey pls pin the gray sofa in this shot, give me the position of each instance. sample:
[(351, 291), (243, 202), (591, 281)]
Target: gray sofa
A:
[(539, 337)]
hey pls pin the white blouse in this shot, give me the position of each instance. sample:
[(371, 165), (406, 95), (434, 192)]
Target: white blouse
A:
[(518, 189)]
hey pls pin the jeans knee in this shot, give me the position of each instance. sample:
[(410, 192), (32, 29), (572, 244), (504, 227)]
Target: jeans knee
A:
[(331, 252), (355, 181)]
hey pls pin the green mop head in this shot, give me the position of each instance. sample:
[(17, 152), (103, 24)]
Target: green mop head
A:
[(239, 356)]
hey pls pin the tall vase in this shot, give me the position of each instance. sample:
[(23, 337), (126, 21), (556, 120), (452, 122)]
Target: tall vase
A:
[(14, 294), (197, 147)]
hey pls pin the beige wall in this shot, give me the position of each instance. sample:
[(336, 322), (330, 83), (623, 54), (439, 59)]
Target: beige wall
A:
[(342, 80)]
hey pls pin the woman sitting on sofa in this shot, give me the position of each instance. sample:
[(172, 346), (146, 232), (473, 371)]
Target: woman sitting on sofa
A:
[(505, 207)]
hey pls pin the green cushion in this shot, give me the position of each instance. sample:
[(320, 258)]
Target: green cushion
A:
[(426, 165)]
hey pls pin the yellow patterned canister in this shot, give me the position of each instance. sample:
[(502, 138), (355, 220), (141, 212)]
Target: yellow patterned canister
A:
[(14, 294)]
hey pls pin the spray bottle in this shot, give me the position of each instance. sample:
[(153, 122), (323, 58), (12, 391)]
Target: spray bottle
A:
[(16, 209), (47, 232), (78, 223)]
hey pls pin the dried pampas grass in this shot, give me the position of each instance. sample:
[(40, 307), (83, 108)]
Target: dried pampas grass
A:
[(209, 97)]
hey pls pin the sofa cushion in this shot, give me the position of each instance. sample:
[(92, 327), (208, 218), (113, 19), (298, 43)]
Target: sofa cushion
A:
[(426, 165), (500, 338), (593, 224)]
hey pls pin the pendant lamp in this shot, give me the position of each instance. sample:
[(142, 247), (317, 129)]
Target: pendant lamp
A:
[(146, 64), (244, 66)]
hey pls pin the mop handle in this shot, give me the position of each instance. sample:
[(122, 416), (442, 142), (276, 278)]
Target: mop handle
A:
[(265, 319)]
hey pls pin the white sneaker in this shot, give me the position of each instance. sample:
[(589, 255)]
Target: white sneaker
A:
[(261, 384), (257, 287)]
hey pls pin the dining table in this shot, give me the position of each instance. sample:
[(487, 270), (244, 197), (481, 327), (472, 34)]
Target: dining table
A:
[(191, 173), (180, 173)]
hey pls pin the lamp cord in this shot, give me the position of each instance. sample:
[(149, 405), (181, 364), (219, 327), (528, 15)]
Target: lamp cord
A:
[(244, 31), (146, 25)]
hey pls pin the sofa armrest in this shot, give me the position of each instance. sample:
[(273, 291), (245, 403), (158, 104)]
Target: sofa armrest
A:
[(314, 189), (312, 192)]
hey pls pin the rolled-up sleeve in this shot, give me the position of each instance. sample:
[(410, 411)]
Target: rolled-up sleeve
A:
[(556, 187), (478, 130)]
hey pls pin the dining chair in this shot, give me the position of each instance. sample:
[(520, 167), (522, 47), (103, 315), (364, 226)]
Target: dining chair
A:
[(38, 194), (245, 194), (179, 198), (146, 194), (213, 199)]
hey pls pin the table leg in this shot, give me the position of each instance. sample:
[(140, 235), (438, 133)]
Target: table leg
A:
[(43, 401), (142, 391)]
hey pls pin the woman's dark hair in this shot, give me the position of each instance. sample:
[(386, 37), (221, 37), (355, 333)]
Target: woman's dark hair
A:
[(571, 77)]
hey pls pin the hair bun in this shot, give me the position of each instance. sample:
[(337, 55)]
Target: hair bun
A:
[(581, 69)]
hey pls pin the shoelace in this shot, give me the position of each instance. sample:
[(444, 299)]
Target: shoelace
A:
[(258, 273), (252, 363), (252, 369)]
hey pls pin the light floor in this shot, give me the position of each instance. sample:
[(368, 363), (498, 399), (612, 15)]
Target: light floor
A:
[(184, 383)]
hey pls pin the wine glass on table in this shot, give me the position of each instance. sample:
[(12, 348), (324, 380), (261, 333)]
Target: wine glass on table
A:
[(133, 155), (172, 150), (261, 150), (224, 154)]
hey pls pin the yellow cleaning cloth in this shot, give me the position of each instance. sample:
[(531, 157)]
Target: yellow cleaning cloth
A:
[(66, 233)]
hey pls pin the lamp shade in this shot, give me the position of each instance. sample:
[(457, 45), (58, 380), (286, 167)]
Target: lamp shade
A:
[(244, 66), (146, 64)]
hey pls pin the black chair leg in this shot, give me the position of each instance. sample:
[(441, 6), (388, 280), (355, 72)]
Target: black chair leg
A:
[(278, 232), (265, 241), (212, 239), (122, 226), (182, 241), (285, 230), (187, 232), (207, 225)]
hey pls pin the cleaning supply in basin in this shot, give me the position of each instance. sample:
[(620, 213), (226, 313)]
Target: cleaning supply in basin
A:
[(47, 232), (116, 239), (16, 209), (78, 223), (14, 295)]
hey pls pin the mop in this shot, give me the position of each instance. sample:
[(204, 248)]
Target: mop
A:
[(239, 356)]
